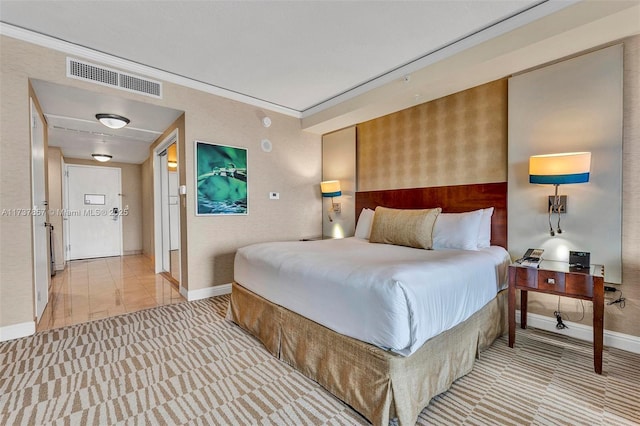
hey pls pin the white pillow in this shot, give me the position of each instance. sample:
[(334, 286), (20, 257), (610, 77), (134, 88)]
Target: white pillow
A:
[(484, 237), (457, 230), (365, 220)]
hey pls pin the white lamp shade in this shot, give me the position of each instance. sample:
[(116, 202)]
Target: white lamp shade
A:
[(102, 157), (330, 188), (113, 121), (556, 169)]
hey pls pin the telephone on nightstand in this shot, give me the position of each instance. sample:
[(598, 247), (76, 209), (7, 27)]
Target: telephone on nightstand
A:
[(532, 258)]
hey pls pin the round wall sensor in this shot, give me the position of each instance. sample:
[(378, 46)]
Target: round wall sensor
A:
[(266, 122), (266, 145)]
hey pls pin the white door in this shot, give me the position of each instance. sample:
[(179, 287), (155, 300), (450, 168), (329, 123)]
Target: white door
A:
[(41, 271), (94, 211)]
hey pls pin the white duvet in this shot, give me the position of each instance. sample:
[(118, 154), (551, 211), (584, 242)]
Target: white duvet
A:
[(393, 297)]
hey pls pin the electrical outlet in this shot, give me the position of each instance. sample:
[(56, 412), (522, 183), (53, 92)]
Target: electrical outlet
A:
[(274, 195)]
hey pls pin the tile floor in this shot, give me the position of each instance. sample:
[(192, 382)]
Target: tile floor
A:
[(99, 288)]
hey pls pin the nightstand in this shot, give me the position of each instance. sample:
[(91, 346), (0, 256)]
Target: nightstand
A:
[(558, 278)]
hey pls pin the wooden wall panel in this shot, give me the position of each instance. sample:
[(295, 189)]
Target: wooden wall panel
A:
[(455, 140), (452, 199)]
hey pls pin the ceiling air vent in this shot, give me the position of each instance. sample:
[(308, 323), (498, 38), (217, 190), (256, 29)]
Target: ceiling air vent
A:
[(109, 77)]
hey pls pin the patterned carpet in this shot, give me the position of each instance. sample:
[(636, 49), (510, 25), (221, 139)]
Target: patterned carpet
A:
[(184, 363)]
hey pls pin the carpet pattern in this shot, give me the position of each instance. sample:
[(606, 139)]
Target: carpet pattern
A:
[(174, 364), (185, 364), (546, 379)]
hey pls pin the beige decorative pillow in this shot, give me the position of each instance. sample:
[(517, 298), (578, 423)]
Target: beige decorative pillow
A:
[(402, 227)]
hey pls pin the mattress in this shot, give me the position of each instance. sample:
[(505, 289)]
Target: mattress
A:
[(393, 297)]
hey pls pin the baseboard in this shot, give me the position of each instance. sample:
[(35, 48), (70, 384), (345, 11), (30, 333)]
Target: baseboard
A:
[(131, 252), (15, 331), (612, 339), (204, 293)]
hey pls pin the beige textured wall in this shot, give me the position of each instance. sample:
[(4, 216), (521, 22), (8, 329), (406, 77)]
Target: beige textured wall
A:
[(628, 320), (55, 203), (293, 168), (16, 273), (131, 175), (455, 140), (146, 173)]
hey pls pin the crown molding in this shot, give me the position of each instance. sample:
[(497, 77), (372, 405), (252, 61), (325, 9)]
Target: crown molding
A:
[(32, 37)]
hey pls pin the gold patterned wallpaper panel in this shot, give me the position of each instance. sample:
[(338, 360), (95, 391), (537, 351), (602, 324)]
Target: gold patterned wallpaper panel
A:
[(456, 140)]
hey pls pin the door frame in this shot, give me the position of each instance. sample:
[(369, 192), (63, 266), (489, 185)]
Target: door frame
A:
[(67, 209), (41, 278), (173, 137)]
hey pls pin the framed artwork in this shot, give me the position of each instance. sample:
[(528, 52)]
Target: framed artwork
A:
[(221, 179)]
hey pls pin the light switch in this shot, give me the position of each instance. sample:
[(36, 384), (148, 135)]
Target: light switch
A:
[(274, 195)]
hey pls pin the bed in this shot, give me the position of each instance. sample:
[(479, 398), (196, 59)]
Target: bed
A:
[(383, 361)]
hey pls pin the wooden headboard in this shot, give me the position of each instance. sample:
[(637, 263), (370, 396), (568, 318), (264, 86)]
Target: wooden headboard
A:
[(452, 199)]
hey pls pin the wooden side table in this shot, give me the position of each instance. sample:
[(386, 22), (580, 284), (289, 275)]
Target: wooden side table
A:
[(558, 278)]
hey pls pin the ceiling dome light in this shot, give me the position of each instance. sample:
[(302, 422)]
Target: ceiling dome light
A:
[(102, 157), (113, 121)]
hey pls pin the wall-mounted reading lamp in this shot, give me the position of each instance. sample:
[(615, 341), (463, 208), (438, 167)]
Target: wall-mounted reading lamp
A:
[(330, 189), (557, 169)]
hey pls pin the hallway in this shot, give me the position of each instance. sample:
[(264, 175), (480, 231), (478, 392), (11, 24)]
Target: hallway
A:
[(99, 288)]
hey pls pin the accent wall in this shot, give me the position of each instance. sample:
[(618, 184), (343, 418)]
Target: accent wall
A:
[(454, 140)]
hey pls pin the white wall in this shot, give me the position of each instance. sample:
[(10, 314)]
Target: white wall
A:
[(339, 163), (574, 105)]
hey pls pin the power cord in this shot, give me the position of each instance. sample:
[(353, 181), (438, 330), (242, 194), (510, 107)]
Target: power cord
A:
[(620, 301), (558, 314), (560, 325)]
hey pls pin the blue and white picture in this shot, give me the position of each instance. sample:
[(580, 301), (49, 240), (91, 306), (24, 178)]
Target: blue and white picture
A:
[(221, 179)]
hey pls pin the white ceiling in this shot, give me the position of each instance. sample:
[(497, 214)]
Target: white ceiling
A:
[(72, 126), (330, 63), (295, 54)]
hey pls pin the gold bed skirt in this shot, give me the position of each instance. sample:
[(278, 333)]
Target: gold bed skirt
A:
[(378, 384)]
